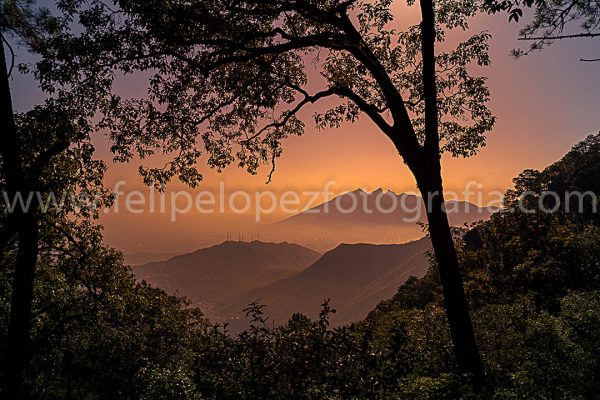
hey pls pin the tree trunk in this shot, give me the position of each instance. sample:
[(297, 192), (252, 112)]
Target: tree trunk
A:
[(429, 178), (15, 349), (17, 354), (457, 310)]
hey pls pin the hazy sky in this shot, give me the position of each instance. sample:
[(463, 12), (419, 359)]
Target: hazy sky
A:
[(544, 103)]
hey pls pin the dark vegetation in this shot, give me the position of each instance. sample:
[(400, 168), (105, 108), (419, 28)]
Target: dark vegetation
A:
[(532, 281), (549, 21), (230, 79), (231, 75)]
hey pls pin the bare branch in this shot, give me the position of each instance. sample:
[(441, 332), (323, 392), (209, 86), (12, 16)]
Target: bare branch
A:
[(290, 113), (560, 37), (270, 177)]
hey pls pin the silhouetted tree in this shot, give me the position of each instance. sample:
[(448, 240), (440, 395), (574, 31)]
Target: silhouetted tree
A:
[(29, 146), (237, 74)]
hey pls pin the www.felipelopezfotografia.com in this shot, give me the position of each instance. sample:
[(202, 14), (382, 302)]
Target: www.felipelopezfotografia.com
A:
[(178, 203)]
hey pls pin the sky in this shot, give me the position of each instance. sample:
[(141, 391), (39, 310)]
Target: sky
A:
[(544, 103)]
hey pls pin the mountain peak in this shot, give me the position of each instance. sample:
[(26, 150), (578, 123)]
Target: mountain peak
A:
[(377, 191), (358, 191)]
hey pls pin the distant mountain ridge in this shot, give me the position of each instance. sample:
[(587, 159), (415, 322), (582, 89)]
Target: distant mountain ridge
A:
[(290, 278), (396, 220), (207, 275), (383, 207), (146, 257), (355, 277)]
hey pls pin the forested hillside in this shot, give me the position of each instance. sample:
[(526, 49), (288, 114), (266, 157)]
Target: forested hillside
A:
[(532, 280)]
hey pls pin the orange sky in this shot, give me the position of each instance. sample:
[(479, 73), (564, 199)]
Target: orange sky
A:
[(545, 103)]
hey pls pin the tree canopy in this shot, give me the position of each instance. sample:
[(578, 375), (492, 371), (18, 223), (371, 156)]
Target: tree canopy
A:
[(229, 81), (234, 76)]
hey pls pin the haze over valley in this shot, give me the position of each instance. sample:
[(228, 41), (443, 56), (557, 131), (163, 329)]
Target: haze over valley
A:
[(355, 250)]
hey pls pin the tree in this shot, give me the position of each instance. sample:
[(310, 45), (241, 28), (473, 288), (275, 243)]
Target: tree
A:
[(552, 20), (97, 333), (23, 223), (41, 132), (237, 74), (29, 146), (532, 280)]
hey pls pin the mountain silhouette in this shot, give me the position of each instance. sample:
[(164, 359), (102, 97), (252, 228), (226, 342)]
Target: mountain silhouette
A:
[(378, 217), (207, 275), (382, 208), (355, 277)]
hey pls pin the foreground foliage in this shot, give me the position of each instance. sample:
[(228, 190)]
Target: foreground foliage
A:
[(532, 280)]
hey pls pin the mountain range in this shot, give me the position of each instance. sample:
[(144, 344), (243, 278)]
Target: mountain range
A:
[(287, 278), (210, 274), (358, 208), (353, 277), (366, 217), (145, 257)]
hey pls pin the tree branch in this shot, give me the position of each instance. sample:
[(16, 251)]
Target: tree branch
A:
[(238, 53), (12, 54), (365, 107), (44, 159), (402, 132), (365, 55), (287, 115), (432, 139), (560, 37)]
